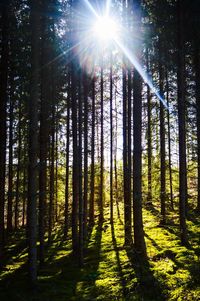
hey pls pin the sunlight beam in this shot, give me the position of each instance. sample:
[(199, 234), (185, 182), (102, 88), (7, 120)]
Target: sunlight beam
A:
[(89, 5), (107, 11), (143, 74)]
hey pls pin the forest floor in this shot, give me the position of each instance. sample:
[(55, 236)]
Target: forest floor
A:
[(111, 271)]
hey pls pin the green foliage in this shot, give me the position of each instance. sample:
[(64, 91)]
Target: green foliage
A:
[(111, 271)]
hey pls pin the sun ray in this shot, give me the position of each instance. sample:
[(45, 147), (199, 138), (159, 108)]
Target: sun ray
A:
[(107, 10), (143, 74), (89, 5), (105, 33)]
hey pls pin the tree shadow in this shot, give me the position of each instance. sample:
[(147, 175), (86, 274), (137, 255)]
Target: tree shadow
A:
[(120, 272), (147, 287), (91, 264), (150, 207), (60, 276), (16, 245), (154, 243)]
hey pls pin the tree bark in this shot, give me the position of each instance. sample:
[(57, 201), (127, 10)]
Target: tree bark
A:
[(162, 138), (85, 195), (197, 90), (44, 126), (33, 141), (3, 104), (66, 225), (17, 199), (111, 142), (139, 241), (81, 205), (126, 146), (92, 180), (149, 136), (101, 200), (10, 170), (169, 146), (181, 127)]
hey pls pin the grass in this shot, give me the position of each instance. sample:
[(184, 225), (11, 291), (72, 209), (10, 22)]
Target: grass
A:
[(111, 271)]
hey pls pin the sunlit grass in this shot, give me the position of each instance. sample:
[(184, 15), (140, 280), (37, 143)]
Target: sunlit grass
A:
[(172, 272)]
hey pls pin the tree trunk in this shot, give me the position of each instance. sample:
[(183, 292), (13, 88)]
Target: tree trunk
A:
[(149, 136), (3, 103), (181, 126), (126, 146), (197, 78), (139, 241), (10, 171), (101, 201), (66, 225), (85, 196), (44, 127), (52, 173), (33, 141), (169, 146), (92, 180), (17, 199), (111, 142), (162, 139), (75, 179), (115, 161), (81, 208)]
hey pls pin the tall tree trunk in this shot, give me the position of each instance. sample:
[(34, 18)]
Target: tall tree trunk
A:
[(75, 163), (85, 196), (52, 174), (162, 139), (17, 199), (92, 180), (126, 146), (197, 78), (111, 142), (169, 145), (139, 241), (115, 160), (44, 126), (149, 136), (33, 141), (10, 171), (3, 103), (66, 225), (102, 147), (81, 207), (75, 176), (181, 126), (55, 216), (24, 203)]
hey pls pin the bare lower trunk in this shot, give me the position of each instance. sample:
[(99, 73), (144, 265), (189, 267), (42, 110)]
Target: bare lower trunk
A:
[(33, 142)]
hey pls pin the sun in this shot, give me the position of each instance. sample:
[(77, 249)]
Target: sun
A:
[(105, 29)]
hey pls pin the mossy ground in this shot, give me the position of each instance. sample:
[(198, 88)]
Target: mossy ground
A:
[(111, 271)]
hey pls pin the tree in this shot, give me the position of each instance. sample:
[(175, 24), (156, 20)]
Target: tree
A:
[(126, 143), (139, 242), (101, 184), (162, 137), (3, 115), (33, 140), (92, 180), (111, 142), (197, 90), (181, 125)]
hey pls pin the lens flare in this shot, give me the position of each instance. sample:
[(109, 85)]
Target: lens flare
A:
[(105, 28), (107, 33)]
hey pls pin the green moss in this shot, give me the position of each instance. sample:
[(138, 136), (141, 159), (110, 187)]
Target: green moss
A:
[(111, 271)]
